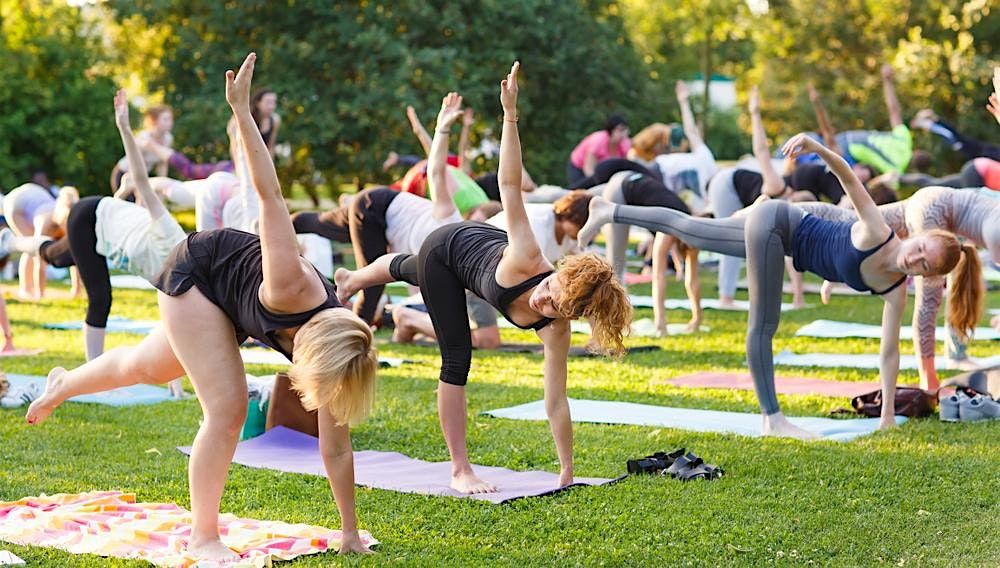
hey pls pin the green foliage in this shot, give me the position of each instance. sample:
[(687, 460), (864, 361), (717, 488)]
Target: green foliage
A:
[(346, 71), (56, 104)]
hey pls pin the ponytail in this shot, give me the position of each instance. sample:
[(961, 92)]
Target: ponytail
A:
[(965, 293)]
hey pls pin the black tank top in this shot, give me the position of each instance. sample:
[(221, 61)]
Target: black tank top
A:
[(474, 252), (226, 266), (266, 134)]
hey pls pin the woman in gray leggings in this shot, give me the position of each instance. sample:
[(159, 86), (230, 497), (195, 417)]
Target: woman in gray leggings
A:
[(866, 255)]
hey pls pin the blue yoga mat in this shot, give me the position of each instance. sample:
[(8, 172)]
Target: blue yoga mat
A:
[(116, 324), (125, 396), (746, 424)]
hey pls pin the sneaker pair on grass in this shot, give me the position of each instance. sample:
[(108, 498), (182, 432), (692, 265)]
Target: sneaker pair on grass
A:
[(960, 407)]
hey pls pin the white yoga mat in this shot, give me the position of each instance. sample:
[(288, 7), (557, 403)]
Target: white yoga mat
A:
[(864, 361), (841, 329), (812, 288), (706, 304), (130, 281), (746, 424)]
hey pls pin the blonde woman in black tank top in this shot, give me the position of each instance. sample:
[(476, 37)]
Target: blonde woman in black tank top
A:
[(218, 282)]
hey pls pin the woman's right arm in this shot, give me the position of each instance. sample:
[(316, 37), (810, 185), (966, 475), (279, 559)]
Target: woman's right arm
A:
[(136, 163), (825, 126), (774, 184), (437, 158), (687, 117), (892, 318), (418, 129)]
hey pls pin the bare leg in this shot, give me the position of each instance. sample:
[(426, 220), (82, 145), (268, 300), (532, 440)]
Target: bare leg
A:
[(693, 286), (661, 248), (349, 282), (409, 323), (151, 361), (453, 412), (798, 286), (212, 360)]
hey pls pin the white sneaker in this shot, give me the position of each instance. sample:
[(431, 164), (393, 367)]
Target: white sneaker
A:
[(979, 407), (948, 407), (18, 396)]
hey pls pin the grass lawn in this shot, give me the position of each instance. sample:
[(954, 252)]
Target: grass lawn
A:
[(924, 494)]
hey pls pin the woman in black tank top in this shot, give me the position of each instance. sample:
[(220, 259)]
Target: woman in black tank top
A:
[(509, 271), (217, 288)]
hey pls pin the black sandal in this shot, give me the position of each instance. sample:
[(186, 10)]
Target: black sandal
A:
[(655, 463), (690, 466)]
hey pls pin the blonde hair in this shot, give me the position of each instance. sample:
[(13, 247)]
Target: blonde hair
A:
[(652, 140), (965, 282), (334, 363), (590, 290)]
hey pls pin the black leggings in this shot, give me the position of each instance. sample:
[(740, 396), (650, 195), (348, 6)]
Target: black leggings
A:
[(607, 168), (368, 227), (971, 147), (444, 296), (330, 224), (968, 177), (764, 238), (79, 248)]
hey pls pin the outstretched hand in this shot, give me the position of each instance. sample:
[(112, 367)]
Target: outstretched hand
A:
[(238, 84), (121, 110), (813, 93), (681, 89), (754, 101), (468, 117), (508, 90), (800, 144), (993, 105), (451, 109), (887, 71)]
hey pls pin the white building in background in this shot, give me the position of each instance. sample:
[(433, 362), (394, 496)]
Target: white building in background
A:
[(721, 90)]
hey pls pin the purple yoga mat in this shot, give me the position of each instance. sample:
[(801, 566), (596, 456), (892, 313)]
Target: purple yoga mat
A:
[(784, 385), (284, 449)]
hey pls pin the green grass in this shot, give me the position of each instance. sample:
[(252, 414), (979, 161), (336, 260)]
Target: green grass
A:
[(925, 494)]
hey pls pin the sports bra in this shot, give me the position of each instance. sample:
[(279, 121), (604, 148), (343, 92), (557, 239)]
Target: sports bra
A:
[(824, 247), (474, 252)]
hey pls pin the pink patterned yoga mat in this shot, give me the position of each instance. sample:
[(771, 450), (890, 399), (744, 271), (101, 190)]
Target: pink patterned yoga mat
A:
[(111, 523), (784, 385)]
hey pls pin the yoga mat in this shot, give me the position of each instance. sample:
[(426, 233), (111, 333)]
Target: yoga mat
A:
[(116, 324), (21, 352), (746, 424), (642, 327), (841, 329), (706, 304), (812, 288), (130, 281), (634, 278), (125, 396), (259, 356), (783, 385), (283, 449), (112, 523), (864, 361)]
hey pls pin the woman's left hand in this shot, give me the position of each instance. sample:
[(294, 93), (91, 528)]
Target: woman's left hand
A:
[(238, 84), (121, 109), (508, 90)]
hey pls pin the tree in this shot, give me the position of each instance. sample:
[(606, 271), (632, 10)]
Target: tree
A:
[(57, 103), (346, 71)]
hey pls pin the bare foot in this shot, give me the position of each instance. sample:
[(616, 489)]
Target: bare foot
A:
[(693, 326), (779, 426), (798, 302), (726, 303), (825, 291), (212, 550), (342, 278), (469, 483), (50, 399), (601, 213), (404, 332), (391, 160), (888, 424)]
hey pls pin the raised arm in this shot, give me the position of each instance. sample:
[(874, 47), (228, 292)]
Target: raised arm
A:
[(891, 101), (418, 129), (826, 129), (687, 117), (876, 229), (523, 248), (136, 164), (288, 286), (993, 104), (774, 184), (437, 158), (463, 141)]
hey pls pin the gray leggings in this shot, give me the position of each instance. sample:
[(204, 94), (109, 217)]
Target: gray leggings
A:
[(764, 238)]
